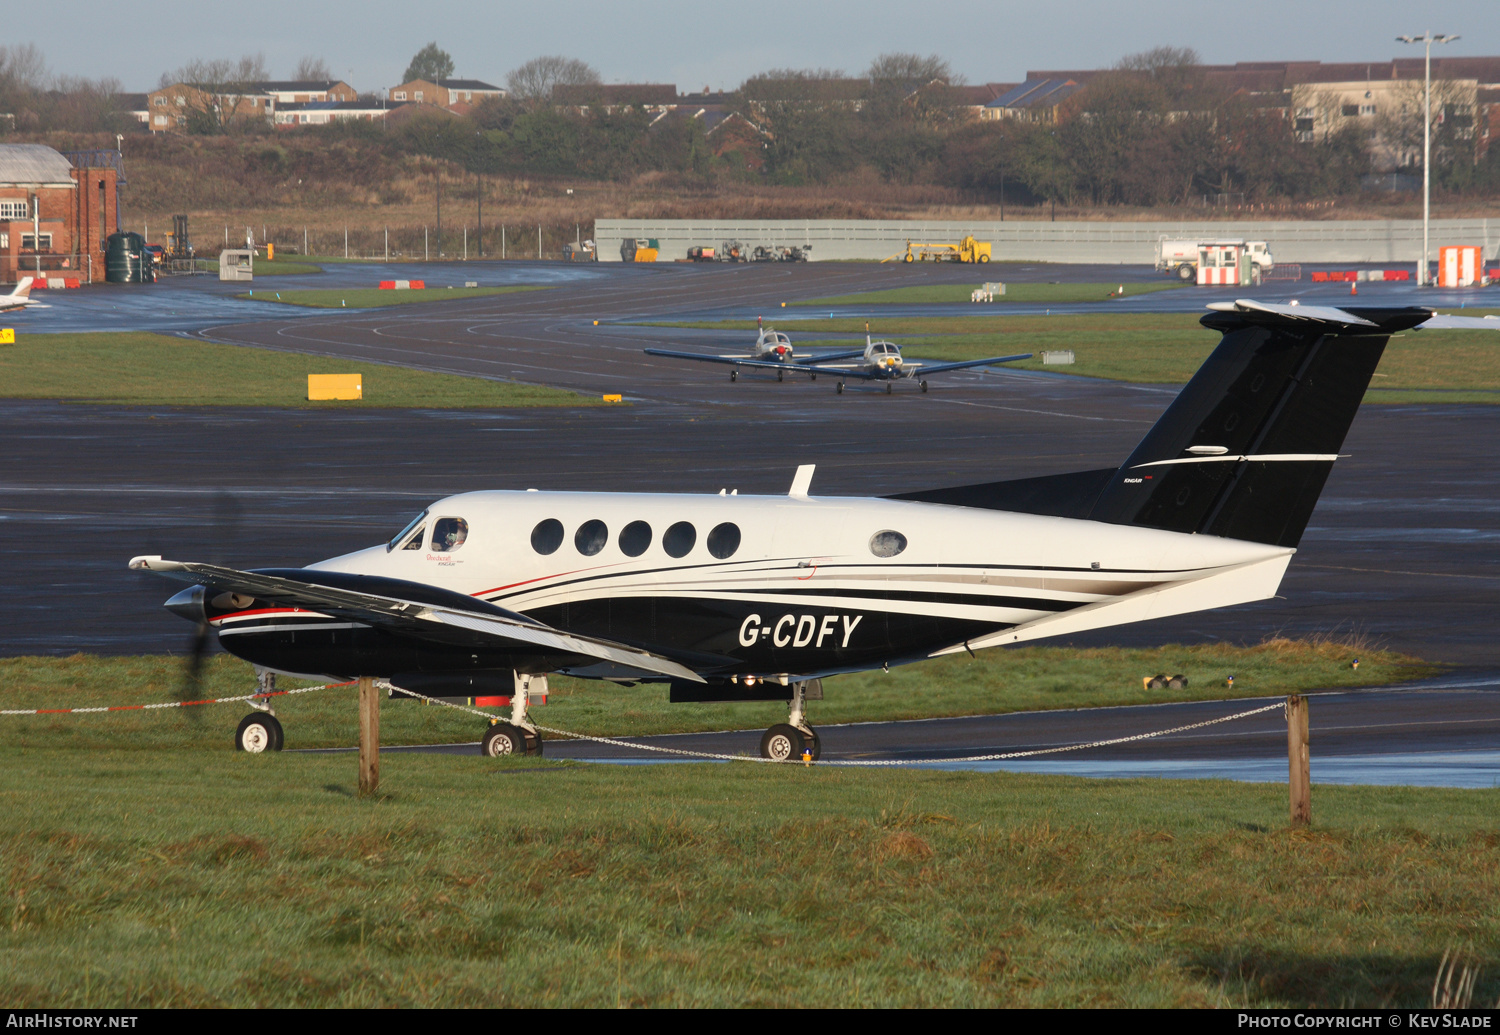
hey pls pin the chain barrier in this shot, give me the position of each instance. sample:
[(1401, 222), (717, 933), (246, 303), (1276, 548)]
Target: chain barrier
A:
[(719, 756), (257, 696)]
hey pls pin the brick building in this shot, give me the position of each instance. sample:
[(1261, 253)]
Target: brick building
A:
[(172, 108), (56, 211), (445, 93)]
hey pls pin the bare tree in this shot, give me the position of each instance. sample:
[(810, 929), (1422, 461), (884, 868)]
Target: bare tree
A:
[(534, 81), (22, 67), (312, 70), (911, 69), (219, 94)]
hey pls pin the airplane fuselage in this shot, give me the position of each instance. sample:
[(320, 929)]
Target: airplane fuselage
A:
[(760, 585)]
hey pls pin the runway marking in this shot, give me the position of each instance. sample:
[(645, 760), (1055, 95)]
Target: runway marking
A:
[(1396, 571)]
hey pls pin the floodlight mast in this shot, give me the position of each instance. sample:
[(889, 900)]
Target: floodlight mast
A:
[(1428, 39)]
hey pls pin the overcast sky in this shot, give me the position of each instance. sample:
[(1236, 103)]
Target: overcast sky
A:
[(706, 43)]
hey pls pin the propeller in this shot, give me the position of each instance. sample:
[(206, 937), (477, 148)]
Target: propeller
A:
[(224, 528)]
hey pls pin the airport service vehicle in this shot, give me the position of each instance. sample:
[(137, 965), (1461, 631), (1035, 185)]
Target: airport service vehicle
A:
[(19, 297), (1182, 256), (967, 250), (728, 597), (877, 361)]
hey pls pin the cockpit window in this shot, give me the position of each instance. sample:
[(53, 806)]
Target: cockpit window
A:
[(449, 533), (411, 525), (415, 542)]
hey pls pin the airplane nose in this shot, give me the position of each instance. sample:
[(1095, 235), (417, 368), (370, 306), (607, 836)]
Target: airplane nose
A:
[(188, 604)]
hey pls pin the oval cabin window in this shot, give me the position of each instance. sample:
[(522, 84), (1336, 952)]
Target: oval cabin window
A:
[(887, 543), (547, 536), (635, 538), (591, 537), (724, 540), (679, 540)]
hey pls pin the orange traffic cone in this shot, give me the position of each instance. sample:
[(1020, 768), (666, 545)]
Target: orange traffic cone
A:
[(1353, 289)]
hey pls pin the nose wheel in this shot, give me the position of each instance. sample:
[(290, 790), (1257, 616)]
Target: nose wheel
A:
[(734, 375), (840, 388), (924, 386), (258, 733)]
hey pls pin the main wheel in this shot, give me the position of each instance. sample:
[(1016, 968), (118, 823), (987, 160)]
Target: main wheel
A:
[(259, 732), (1186, 272), (734, 375), (924, 386), (502, 739), (813, 376), (533, 743), (813, 745), (908, 256), (984, 258), (781, 743), (840, 388)]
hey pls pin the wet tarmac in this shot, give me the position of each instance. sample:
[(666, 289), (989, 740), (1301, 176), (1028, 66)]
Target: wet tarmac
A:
[(1401, 550)]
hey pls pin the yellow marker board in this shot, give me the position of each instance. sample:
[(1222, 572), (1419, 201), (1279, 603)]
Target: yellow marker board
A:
[(612, 398), (334, 386), (7, 335)]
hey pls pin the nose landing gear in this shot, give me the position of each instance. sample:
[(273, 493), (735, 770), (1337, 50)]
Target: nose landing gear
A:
[(794, 740), (260, 731)]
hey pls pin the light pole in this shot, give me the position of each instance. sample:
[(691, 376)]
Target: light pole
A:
[(1427, 39)]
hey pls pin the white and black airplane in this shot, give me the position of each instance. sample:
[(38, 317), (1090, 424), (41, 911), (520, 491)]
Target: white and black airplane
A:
[(19, 297), (877, 361), (730, 597), (772, 349)]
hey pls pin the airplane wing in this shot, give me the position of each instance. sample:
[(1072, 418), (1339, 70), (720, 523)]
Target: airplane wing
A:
[(448, 625), (923, 369), (772, 364), (829, 357)]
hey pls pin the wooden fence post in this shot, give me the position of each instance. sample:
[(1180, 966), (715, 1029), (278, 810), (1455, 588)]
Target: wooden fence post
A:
[(369, 736), (1299, 777)]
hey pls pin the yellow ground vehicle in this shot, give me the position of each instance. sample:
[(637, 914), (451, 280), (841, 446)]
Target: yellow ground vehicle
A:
[(967, 250)]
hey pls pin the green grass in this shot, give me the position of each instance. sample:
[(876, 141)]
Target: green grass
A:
[(937, 294), (992, 682), (158, 370), (167, 870), (1445, 366), (369, 298)]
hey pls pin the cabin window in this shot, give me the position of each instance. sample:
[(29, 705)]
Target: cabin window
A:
[(679, 540), (887, 543), (547, 536), (449, 533), (411, 526), (591, 537), (635, 538), (724, 540)]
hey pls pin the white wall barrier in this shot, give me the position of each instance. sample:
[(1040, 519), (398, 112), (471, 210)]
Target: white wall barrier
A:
[(1394, 241)]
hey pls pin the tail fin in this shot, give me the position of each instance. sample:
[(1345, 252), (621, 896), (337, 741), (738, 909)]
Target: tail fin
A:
[(1245, 448), (22, 290)]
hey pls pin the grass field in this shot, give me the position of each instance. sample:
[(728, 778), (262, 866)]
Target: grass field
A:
[(163, 869), (369, 298), (993, 682), (158, 370), (935, 294), (1420, 366)]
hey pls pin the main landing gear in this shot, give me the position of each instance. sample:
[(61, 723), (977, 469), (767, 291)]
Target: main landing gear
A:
[(734, 375), (518, 736), (781, 375), (793, 740), (924, 385), (840, 388), (260, 731)]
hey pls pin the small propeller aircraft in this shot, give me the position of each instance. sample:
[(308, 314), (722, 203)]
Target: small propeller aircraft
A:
[(731, 598), (877, 361), (19, 297), (772, 349)]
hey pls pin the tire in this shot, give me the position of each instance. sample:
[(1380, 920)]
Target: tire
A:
[(781, 743), (908, 256), (734, 375), (813, 744), (258, 733), (983, 259), (924, 386), (502, 739), (813, 376), (1186, 272), (781, 375), (889, 387), (840, 388)]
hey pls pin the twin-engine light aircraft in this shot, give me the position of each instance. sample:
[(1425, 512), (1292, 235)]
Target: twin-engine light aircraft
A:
[(19, 297), (730, 597), (877, 361)]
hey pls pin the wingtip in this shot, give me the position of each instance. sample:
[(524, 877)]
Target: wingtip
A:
[(145, 562)]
